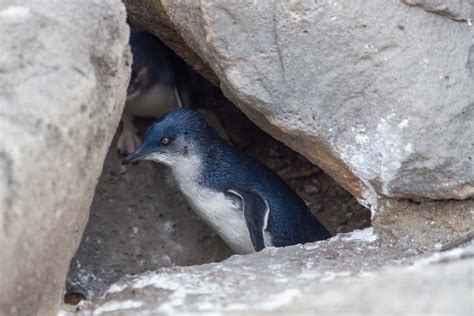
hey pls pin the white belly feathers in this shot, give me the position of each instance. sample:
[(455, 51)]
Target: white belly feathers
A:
[(223, 215), (152, 103), (219, 211)]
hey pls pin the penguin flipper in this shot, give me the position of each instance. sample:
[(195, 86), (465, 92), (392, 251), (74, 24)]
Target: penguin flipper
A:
[(256, 213)]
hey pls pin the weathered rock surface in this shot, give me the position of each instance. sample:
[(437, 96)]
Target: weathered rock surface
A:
[(377, 93), (426, 226), (462, 10), (340, 275), (64, 68)]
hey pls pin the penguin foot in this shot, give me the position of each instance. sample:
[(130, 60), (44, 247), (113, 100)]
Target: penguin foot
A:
[(128, 142)]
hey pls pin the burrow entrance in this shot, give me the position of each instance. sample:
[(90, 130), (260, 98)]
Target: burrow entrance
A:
[(139, 221)]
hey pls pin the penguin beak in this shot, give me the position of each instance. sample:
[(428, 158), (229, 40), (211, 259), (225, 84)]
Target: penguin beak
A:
[(140, 154)]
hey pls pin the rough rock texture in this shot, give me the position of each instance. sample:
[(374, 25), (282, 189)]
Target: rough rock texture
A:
[(140, 222), (426, 226), (340, 275), (377, 93), (441, 289), (64, 68), (460, 10)]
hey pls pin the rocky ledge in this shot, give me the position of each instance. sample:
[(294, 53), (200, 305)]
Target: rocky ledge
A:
[(353, 273)]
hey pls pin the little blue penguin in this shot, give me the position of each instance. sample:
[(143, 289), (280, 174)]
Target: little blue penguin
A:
[(153, 88), (246, 203)]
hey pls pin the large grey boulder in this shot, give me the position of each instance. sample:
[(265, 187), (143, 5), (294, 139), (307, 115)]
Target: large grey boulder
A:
[(64, 69), (347, 274), (377, 93)]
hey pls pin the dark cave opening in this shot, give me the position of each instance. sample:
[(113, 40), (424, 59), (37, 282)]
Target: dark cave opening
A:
[(139, 220)]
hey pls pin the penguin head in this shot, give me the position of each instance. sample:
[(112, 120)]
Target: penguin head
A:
[(142, 72), (152, 63), (175, 137)]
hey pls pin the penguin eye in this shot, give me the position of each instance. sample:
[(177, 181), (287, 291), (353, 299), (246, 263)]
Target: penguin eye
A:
[(165, 141)]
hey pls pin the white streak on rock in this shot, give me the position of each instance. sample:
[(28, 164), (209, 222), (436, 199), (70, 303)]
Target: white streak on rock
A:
[(277, 300), (117, 305), (116, 288), (449, 255), (15, 12), (403, 124), (366, 234), (330, 275)]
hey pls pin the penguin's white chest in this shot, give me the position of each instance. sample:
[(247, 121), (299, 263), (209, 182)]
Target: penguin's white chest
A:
[(154, 102), (221, 213)]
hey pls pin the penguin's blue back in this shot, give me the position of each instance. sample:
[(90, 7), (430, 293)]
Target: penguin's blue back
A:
[(290, 222)]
